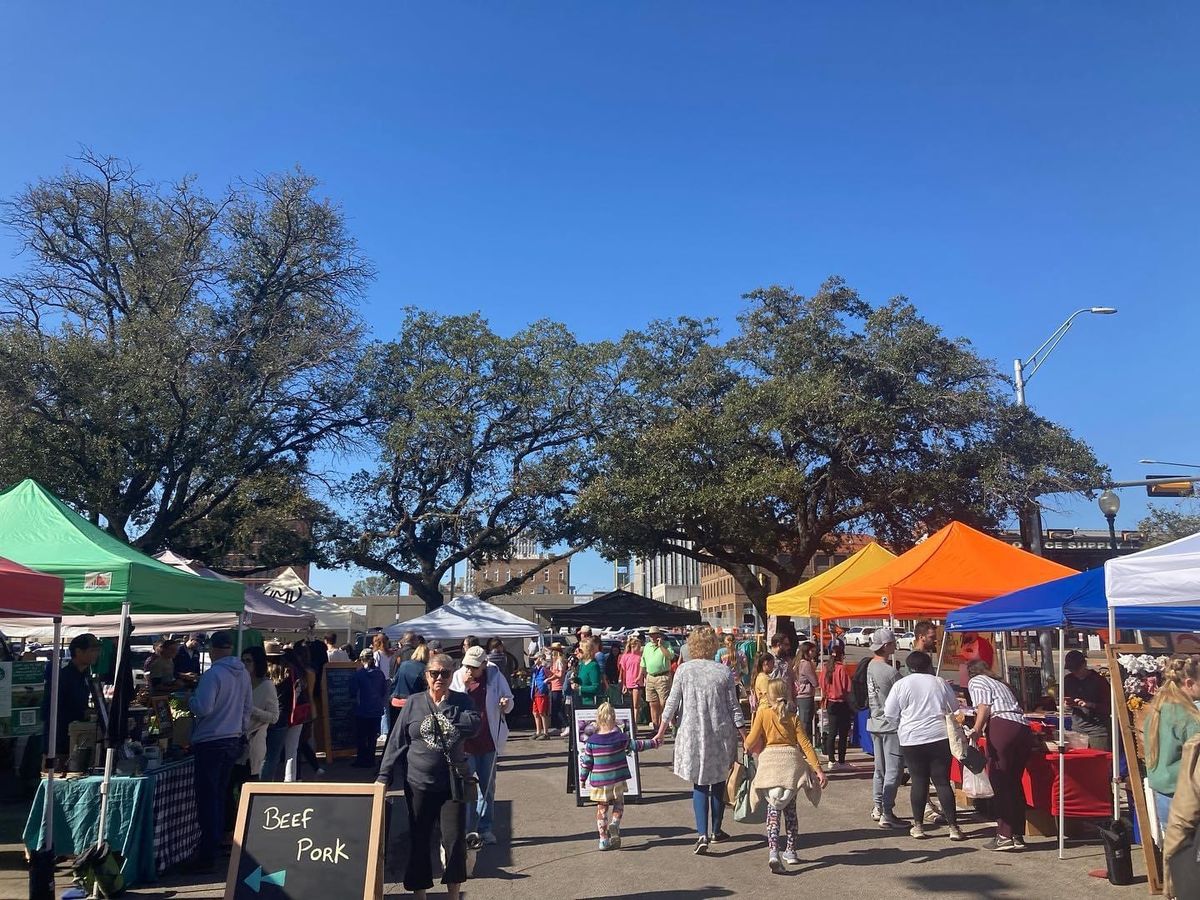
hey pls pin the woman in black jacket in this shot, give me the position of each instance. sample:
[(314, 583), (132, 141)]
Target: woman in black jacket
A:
[(424, 751)]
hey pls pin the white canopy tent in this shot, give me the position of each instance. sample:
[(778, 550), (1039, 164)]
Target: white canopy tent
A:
[(291, 589), (466, 616), (1168, 575), (262, 611), (1161, 576)]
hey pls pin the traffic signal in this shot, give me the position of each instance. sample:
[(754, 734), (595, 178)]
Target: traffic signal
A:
[(1184, 487)]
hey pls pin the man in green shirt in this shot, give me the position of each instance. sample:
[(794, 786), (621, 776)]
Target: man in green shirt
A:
[(656, 663)]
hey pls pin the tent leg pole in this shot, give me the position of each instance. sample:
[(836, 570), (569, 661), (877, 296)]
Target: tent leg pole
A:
[(941, 654), (52, 740), (241, 628), (110, 754), (1062, 761), (1114, 678)]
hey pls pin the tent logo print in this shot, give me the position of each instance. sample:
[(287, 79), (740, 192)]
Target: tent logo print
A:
[(97, 581)]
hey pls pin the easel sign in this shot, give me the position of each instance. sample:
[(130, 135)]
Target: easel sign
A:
[(584, 727), (335, 711), (307, 842)]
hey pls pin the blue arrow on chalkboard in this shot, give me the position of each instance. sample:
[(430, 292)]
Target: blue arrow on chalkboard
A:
[(257, 879)]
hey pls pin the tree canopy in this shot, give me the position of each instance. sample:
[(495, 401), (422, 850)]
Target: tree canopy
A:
[(821, 415), (478, 441), (171, 360), (1163, 525)]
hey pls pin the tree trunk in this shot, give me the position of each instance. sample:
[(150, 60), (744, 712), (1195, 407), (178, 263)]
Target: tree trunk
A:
[(430, 594)]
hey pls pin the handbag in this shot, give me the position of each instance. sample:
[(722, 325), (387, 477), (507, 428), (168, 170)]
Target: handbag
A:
[(743, 810), (98, 870), (957, 736), (458, 781), (737, 775), (301, 702)]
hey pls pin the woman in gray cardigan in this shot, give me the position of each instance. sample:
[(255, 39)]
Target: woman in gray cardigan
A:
[(710, 729)]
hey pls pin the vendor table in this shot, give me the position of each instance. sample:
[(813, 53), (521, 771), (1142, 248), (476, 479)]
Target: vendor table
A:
[(1086, 787), (152, 818)]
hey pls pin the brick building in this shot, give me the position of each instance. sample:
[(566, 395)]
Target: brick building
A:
[(724, 604)]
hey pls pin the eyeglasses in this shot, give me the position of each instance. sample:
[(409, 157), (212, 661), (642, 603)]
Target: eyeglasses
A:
[(437, 673)]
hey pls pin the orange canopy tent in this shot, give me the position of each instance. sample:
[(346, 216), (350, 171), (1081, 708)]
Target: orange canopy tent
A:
[(953, 568)]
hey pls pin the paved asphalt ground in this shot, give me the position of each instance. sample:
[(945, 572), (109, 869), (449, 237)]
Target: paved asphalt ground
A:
[(548, 850)]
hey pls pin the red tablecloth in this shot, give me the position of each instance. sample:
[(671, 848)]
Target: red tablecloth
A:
[(1086, 791)]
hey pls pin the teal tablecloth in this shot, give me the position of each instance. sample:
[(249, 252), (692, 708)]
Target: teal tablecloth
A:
[(131, 818)]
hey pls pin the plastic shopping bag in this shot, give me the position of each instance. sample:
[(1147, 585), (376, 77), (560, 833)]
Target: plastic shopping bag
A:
[(977, 785)]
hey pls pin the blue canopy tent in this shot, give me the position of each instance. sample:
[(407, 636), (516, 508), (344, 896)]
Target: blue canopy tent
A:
[(1077, 601)]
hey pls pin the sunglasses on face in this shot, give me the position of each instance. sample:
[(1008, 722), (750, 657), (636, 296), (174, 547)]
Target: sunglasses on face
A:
[(437, 673)]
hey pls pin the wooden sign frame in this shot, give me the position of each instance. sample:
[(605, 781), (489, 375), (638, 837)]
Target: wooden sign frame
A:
[(1131, 741), (373, 884), (322, 725)]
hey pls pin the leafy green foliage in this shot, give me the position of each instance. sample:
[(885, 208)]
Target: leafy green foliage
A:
[(822, 415), (170, 361), (481, 440), (1163, 525), (373, 586)]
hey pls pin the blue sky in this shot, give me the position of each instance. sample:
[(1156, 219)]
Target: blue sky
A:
[(604, 164)]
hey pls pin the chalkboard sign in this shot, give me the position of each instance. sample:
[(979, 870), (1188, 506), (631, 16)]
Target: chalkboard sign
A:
[(337, 708), (301, 841)]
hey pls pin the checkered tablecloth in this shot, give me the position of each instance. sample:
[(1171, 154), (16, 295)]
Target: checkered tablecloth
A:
[(176, 824)]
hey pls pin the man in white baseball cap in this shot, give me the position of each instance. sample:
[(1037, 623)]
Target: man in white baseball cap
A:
[(889, 765)]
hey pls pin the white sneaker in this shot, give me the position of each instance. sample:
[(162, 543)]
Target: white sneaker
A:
[(917, 831), (774, 863), (564, 732), (790, 857), (956, 833), (875, 813)]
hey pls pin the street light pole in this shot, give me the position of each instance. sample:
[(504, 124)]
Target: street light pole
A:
[(1110, 505), (1023, 370)]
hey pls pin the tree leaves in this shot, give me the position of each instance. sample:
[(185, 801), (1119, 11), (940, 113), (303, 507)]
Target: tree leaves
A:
[(822, 415), (170, 359)]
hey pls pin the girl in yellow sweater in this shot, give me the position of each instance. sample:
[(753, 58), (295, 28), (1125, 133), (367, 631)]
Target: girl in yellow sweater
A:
[(786, 763)]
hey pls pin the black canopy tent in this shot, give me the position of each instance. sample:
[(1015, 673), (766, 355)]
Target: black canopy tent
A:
[(619, 609)]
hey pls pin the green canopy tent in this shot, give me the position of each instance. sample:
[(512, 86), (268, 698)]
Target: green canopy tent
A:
[(102, 575)]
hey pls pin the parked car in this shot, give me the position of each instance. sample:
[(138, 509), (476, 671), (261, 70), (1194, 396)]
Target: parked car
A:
[(858, 636), (905, 640)]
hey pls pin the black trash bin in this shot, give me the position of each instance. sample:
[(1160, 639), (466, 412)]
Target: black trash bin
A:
[(1118, 857)]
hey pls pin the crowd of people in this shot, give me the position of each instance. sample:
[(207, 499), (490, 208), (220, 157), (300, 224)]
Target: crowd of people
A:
[(446, 726)]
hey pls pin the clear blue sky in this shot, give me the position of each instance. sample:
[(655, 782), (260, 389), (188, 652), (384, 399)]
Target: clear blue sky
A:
[(1000, 164)]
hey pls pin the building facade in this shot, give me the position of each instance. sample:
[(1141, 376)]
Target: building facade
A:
[(724, 604), (554, 579)]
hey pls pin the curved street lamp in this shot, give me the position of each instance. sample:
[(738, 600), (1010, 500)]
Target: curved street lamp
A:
[(1025, 369)]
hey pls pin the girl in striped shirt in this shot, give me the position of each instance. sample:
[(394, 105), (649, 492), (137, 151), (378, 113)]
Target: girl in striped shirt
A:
[(604, 767)]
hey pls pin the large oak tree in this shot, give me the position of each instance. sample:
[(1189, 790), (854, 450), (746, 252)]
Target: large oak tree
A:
[(480, 441), (171, 360), (821, 415)]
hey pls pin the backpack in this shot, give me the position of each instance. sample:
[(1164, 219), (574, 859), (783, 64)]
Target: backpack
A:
[(540, 684), (858, 697)]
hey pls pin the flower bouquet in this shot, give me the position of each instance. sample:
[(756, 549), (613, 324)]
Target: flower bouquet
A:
[(1141, 677)]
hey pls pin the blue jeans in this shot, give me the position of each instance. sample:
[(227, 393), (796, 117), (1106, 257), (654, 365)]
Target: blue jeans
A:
[(483, 766), (708, 805), (1162, 805), (213, 765), (273, 761), (889, 768)]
